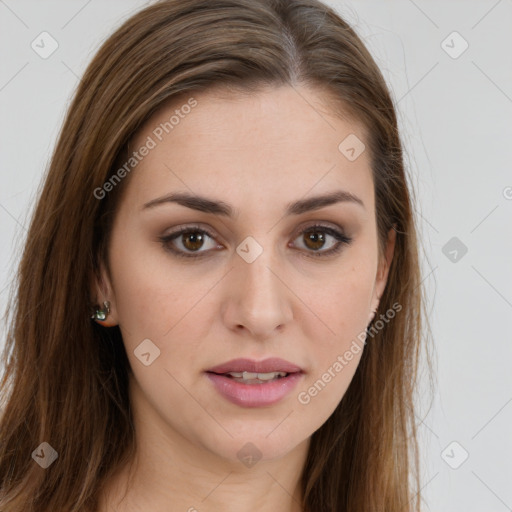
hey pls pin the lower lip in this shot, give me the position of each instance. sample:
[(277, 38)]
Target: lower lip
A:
[(254, 395)]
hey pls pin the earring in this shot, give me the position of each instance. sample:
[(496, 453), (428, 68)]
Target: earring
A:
[(101, 314)]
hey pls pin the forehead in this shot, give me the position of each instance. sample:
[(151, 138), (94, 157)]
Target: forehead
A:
[(274, 145)]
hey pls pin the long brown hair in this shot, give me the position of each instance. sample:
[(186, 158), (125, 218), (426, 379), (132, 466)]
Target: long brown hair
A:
[(66, 378)]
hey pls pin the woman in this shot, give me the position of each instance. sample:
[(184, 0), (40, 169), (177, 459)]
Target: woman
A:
[(228, 195)]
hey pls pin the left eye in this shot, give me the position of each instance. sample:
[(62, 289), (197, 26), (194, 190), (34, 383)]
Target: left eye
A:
[(315, 238), (193, 238)]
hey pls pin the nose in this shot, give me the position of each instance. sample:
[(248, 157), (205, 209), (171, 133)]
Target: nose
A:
[(258, 299)]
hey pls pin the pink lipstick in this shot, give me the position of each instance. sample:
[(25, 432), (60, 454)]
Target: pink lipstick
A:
[(250, 383)]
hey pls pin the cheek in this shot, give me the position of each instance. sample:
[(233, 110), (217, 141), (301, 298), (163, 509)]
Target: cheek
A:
[(336, 328), (153, 297), (339, 306)]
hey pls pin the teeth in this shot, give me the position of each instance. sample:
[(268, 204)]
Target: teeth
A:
[(260, 376)]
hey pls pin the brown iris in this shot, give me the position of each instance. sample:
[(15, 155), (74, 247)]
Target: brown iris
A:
[(317, 238), (196, 240)]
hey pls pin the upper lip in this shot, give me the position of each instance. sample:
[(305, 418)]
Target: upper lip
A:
[(273, 364)]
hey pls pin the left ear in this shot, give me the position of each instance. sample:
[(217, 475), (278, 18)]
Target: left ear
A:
[(382, 272), (101, 290)]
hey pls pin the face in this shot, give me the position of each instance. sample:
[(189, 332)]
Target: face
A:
[(261, 271)]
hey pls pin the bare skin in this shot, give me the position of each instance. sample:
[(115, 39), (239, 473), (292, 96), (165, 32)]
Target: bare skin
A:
[(257, 153)]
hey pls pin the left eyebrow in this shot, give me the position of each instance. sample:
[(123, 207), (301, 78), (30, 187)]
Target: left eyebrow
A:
[(203, 204)]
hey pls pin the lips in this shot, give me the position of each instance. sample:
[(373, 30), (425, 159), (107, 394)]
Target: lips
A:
[(248, 383), (273, 364)]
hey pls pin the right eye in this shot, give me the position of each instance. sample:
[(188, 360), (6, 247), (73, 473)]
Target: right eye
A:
[(191, 238)]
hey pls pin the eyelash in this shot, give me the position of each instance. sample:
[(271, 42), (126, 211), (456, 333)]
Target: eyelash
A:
[(342, 240)]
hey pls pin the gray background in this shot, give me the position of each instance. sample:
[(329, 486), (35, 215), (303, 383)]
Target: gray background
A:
[(455, 115)]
